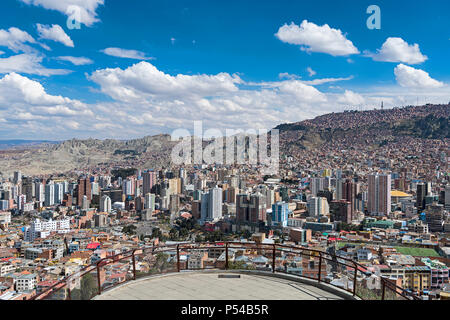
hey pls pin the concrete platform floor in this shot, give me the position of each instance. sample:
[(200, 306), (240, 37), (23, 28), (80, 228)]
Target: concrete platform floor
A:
[(208, 286)]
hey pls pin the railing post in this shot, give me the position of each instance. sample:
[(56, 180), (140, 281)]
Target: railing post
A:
[(99, 282), (383, 289), (355, 279), (320, 266), (178, 257), (69, 295), (273, 257), (134, 265), (226, 256)]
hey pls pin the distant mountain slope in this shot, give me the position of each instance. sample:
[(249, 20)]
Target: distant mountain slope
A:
[(8, 144), (335, 130)]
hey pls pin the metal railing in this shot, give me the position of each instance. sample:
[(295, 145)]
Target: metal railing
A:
[(313, 264)]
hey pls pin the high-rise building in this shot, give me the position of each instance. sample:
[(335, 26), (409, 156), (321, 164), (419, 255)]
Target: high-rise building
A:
[(317, 184), (83, 189), (85, 203), (280, 214), (128, 187), (318, 206), (422, 190), (40, 192), (105, 204), (211, 207), (49, 195), (340, 210), (149, 180), (150, 201), (17, 177), (349, 193), (21, 200), (231, 194), (435, 217), (174, 205), (379, 195), (251, 208), (447, 198), (59, 193), (28, 188)]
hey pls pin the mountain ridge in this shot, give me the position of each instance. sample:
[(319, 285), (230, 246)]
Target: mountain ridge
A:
[(375, 127)]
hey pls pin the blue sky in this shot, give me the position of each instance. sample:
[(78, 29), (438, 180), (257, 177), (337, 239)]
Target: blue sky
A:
[(232, 64)]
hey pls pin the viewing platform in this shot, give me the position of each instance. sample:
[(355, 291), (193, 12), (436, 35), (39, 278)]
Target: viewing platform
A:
[(218, 285)]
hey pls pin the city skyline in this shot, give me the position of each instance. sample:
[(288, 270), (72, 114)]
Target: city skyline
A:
[(130, 72)]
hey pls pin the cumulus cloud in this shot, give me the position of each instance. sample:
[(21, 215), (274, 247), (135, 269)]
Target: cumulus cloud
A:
[(78, 61), (29, 64), (145, 101), (54, 33), (15, 40), (25, 104), (143, 81), (398, 50), (414, 78), (351, 98), (124, 53), (314, 38), (85, 11)]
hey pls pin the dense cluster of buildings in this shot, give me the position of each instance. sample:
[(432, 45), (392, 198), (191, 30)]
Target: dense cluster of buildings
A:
[(393, 219)]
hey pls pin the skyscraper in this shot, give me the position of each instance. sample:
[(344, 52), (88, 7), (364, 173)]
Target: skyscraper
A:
[(59, 193), (149, 180), (40, 192), (211, 206), (251, 208), (447, 198), (49, 194), (379, 195), (105, 204), (280, 214), (349, 192), (422, 190), (83, 189), (317, 184), (318, 206), (150, 200)]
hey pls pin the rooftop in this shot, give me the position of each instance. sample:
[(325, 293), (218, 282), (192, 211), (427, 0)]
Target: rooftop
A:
[(197, 286)]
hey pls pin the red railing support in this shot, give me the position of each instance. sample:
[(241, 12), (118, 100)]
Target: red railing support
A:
[(320, 267), (273, 257), (226, 256), (383, 289), (178, 257), (134, 265), (99, 281), (355, 279)]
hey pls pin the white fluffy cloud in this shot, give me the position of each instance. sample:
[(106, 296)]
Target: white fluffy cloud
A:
[(314, 38), (143, 81), (398, 50), (78, 61), (124, 53), (414, 78), (15, 39), (83, 10), (29, 64), (25, 104), (351, 98), (145, 101), (54, 33)]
